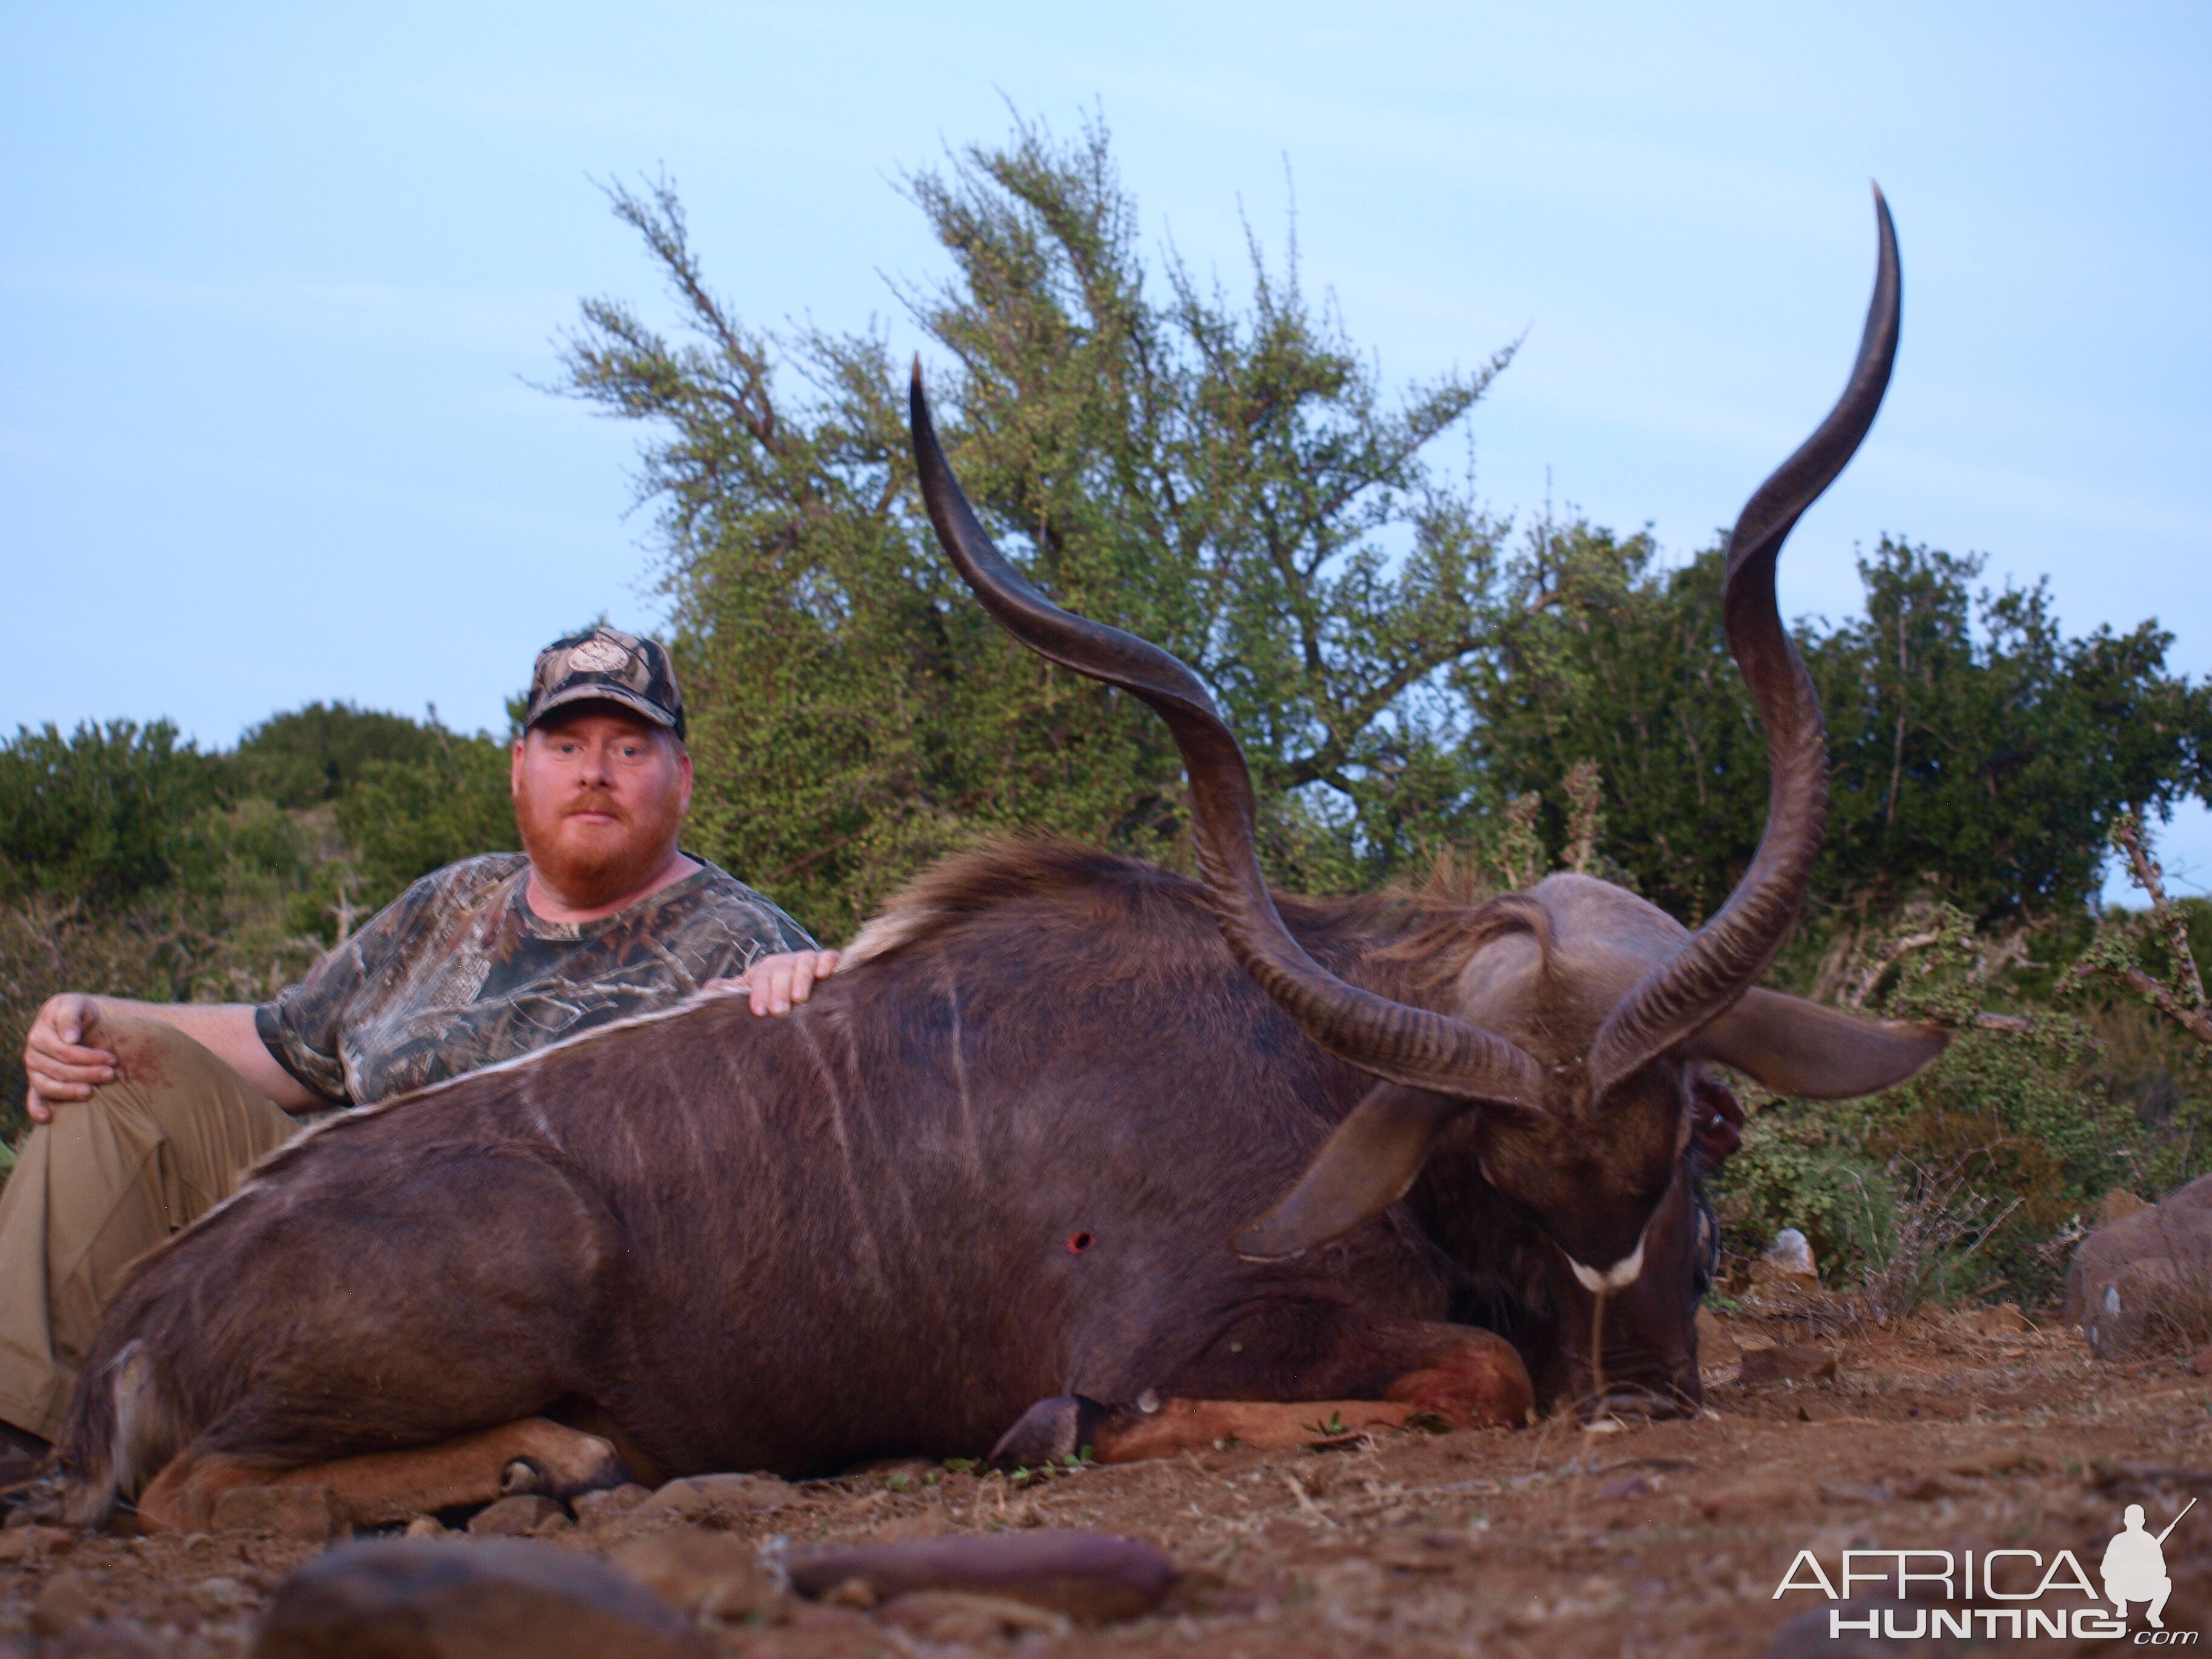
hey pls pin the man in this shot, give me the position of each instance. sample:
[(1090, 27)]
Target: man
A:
[(2134, 1568), (148, 1114)]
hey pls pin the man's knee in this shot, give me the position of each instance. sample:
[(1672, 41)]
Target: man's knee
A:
[(155, 1068), (177, 1084), (169, 1092), (155, 1059)]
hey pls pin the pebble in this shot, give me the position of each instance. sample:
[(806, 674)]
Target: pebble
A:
[(1788, 1362), (28, 1543), (710, 1575), (962, 1616), (220, 1595), (513, 1517), (598, 1507), (1717, 1344), (1091, 1576), (493, 1598), (697, 1498), (61, 1606)]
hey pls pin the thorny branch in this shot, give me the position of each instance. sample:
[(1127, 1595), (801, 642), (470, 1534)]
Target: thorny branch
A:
[(2113, 952), (2145, 871)]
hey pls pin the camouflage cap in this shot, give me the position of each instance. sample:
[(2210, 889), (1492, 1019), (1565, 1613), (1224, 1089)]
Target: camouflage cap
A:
[(605, 665)]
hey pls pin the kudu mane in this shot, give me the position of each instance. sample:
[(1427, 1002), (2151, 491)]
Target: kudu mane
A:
[(1407, 941)]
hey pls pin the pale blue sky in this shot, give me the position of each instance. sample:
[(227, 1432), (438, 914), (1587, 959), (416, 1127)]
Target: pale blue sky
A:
[(273, 279)]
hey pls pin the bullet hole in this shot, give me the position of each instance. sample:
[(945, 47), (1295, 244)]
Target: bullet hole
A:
[(1079, 1243)]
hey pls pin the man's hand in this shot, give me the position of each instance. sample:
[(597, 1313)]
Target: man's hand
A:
[(777, 984), (61, 1066)]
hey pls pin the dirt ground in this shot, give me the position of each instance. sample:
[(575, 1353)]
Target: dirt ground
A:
[(1657, 1540)]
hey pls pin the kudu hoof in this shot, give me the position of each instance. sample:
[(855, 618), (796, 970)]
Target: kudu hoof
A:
[(525, 1478), (1634, 1405), (1050, 1432)]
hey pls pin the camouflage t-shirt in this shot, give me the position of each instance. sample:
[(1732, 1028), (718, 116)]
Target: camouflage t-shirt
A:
[(457, 972)]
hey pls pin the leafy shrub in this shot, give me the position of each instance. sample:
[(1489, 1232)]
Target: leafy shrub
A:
[(317, 752), (1962, 1179), (405, 818), (1803, 1164), (97, 814)]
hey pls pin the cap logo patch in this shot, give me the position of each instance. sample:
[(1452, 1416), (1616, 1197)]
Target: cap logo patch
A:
[(597, 656)]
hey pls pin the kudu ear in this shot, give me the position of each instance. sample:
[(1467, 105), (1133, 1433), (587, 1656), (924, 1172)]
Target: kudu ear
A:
[(1360, 1172), (1813, 1052)]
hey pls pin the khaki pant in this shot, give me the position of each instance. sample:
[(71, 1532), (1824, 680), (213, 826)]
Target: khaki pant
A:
[(106, 1181)]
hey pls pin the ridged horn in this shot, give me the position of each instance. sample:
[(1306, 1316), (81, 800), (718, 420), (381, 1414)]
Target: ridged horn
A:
[(1676, 1000), (1390, 1040)]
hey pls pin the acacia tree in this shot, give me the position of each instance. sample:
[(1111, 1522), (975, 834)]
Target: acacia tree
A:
[(1978, 755), (1214, 473), (1222, 475)]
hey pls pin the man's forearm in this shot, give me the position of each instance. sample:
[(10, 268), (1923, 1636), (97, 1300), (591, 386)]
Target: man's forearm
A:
[(226, 1031)]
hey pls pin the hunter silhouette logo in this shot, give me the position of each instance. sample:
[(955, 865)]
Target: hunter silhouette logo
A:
[(2008, 1594), (2135, 1565)]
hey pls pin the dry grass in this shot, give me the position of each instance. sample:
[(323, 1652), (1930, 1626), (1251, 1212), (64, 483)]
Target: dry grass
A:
[(1937, 1223)]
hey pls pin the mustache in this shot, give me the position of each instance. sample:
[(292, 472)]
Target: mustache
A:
[(593, 801)]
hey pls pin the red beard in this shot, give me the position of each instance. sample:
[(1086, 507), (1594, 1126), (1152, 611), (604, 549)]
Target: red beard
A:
[(592, 865)]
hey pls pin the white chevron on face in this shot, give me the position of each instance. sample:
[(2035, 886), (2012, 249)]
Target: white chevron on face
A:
[(1618, 1277)]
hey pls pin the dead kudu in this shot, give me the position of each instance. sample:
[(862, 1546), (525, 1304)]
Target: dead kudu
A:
[(1004, 1170)]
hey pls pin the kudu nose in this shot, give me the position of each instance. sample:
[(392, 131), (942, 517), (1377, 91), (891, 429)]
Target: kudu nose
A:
[(1653, 1403)]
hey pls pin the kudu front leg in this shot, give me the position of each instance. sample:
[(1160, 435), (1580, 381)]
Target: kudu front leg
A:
[(381, 1488), (1053, 1430), (1462, 1375)]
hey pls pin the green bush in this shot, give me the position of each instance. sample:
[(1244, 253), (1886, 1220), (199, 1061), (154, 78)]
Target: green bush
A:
[(2016, 1133), (98, 816), (406, 819), (319, 752), (1803, 1164)]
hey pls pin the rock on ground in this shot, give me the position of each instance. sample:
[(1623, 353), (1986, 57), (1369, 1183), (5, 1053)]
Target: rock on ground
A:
[(493, 1598), (2144, 1280), (514, 1517), (1093, 1576), (1788, 1362), (709, 1575), (699, 1498)]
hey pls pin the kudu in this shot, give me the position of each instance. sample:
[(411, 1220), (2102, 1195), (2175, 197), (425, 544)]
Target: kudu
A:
[(991, 1174)]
